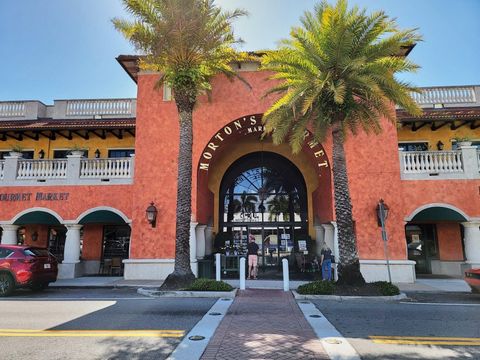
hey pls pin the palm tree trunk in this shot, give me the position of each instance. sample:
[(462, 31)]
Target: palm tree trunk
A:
[(182, 274), (349, 265)]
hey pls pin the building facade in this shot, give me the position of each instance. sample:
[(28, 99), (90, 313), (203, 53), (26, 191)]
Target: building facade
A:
[(88, 169)]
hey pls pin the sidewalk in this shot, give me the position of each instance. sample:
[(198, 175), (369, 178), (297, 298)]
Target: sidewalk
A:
[(266, 324), (421, 285), (105, 282)]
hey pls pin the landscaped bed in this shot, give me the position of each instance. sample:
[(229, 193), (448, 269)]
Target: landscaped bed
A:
[(379, 288)]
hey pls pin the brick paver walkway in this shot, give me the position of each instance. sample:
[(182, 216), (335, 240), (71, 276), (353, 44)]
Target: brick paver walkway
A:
[(264, 324)]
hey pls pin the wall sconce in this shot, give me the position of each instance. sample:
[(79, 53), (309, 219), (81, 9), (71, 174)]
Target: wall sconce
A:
[(34, 236), (382, 213), (439, 145), (41, 154), (152, 214), (97, 154)]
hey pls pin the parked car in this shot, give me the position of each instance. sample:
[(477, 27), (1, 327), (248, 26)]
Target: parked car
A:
[(472, 277), (25, 266)]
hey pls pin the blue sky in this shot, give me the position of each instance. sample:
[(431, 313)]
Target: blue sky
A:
[(63, 49)]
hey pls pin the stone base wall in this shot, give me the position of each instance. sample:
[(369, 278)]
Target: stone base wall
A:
[(402, 271)]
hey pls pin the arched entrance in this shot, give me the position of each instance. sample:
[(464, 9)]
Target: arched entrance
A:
[(40, 227), (434, 239), (105, 240), (263, 194)]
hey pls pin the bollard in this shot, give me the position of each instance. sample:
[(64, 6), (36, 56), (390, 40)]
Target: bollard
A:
[(286, 278), (242, 273), (218, 264)]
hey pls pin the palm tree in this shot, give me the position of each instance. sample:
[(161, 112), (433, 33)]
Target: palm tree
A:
[(336, 74), (246, 205), (187, 42), (280, 204)]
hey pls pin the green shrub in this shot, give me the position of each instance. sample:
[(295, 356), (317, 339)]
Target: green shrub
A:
[(317, 288), (386, 288), (209, 285)]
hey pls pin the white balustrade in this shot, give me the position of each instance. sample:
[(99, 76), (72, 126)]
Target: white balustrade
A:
[(99, 107), (12, 109), (2, 167), (445, 95), (42, 169), (432, 162), (117, 168)]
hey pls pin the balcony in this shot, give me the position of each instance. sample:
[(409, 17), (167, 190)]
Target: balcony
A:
[(69, 109), (440, 165), (75, 170), (448, 96)]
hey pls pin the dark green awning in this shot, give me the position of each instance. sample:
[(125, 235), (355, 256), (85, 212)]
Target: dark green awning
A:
[(435, 214)]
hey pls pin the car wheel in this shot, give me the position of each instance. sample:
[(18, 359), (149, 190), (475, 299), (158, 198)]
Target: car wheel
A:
[(38, 286), (6, 284)]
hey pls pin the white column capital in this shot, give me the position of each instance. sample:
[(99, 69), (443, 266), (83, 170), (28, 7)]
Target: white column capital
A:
[(9, 227), (327, 226), (73, 227), (472, 224)]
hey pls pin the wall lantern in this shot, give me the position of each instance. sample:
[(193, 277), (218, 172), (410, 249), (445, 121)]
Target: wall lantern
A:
[(439, 145), (97, 154), (382, 213), (152, 214), (41, 154), (34, 236)]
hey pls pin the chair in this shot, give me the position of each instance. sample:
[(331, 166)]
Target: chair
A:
[(106, 267), (116, 266)]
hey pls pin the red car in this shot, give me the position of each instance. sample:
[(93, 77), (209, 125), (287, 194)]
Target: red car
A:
[(472, 277), (25, 266)]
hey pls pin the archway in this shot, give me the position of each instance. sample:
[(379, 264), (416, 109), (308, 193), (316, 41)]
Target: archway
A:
[(434, 236), (105, 240), (41, 227), (263, 195)]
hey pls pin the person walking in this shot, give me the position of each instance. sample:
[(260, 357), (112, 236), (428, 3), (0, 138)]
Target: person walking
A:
[(326, 262), (252, 252)]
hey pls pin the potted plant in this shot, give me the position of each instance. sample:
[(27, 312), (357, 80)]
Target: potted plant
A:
[(463, 141), (76, 150), (16, 151)]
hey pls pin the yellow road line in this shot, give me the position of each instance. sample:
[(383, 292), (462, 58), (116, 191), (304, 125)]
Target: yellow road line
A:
[(90, 333), (424, 340), (421, 338)]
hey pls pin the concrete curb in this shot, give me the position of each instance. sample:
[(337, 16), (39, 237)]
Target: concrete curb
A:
[(188, 294), (401, 296)]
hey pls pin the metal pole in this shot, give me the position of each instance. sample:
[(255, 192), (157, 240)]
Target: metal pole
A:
[(217, 266), (385, 239), (286, 277), (242, 273)]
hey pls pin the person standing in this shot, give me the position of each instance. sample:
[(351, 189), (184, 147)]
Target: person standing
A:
[(326, 262), (252, 253)]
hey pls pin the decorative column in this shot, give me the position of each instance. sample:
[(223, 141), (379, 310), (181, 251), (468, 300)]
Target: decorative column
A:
[(472, 242), (329, 235), (193, 248), (70, 266), (200, 234), (319, 238), (9, 235), (208, 240)]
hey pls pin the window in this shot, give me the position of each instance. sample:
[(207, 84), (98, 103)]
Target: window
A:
[(26, 154), (118, 153), (413, 146), (116, 241), (62, 154), (5, 253), (36, 252)]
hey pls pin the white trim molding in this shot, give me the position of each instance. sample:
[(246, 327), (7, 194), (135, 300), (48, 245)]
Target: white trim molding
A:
[(42, 209), (433, 205), (103, 208)]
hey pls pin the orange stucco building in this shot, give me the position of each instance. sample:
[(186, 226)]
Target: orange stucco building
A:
[(242, 185)]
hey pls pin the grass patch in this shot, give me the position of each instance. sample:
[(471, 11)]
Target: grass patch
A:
[(317, 288), (386, 288), (209, 285)]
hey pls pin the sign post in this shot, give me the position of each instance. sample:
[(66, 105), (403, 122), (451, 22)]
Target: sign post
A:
[(382, 212)]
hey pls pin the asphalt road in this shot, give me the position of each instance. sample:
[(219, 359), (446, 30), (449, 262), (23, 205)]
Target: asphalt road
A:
[(428, 326), (94, 324)]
